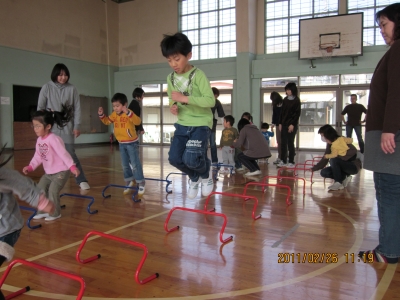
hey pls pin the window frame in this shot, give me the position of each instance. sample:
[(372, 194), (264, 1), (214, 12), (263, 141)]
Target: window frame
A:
[(291, 38), (364, 28), (220, 42)]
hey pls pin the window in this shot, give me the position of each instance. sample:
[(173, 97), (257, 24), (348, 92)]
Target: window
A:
[(371, 33), (282, 21), (211, 27)]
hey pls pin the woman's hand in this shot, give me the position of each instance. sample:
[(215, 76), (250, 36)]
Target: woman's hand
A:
[(280, 127), (291, 128), (76, 132), (387, 143)]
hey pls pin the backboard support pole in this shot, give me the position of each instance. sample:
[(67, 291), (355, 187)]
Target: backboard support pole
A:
[(353, 64)]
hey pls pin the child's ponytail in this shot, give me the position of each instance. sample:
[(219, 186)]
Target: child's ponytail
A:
[(61, 118)]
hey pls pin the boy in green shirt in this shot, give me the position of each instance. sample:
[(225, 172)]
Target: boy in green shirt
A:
[(190, 98)]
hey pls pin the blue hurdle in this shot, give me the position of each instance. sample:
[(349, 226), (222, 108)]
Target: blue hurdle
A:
[(218, 166), (134, 188), (84, 197), (28, 222)]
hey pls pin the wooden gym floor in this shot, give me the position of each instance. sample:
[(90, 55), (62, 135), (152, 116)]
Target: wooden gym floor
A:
[(302, 251)]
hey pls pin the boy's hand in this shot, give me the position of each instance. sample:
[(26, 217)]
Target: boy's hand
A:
[(100, 111), (174, 109), (75, 172), (125, 109), (179, 97)]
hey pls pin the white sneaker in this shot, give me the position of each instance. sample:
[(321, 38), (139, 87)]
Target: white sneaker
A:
[(130, 191), (281, 164), (141, 190), (336, 186), (193, 189), (346, 180), (277, 161), (257, 172), (240, 169), (50, 218), (207, 186), (84, 185), (40, 216), (289, 165)]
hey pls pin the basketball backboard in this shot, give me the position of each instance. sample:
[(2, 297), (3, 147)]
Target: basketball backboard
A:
[(342, 35)]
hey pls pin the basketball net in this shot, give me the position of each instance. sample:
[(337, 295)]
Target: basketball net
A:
[(327, 50)]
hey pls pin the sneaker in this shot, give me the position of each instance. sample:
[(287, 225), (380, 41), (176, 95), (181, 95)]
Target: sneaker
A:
[(290, 165), (336, 186), (129, 191), (256, 172), (207, 186), (346, 180), (193, 189), (40, 216), (277, 161), (50, 218), (223, 171), (281, 164), (240, 169), (141, 190), (233, 171), (84, 185)]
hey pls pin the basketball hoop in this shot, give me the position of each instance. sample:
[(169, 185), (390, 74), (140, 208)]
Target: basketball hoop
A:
[(327, 50)]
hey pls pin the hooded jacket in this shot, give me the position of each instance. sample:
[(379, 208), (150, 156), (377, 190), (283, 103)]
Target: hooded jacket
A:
[(253, 141), (12, 182), (53, 96)]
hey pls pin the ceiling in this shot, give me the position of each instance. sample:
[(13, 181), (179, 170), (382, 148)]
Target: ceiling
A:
[(122, 1)]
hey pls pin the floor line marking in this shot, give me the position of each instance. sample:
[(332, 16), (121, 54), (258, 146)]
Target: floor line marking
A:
[(383, 285), (293, 229)]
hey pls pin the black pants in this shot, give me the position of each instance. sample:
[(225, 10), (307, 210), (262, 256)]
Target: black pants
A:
[(249, 162), (287, 141)]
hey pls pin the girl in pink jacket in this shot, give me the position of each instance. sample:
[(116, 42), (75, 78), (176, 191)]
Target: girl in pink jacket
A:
[(51, 152)]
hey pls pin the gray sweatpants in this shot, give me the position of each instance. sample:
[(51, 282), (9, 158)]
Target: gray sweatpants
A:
[(228, 155), (52, 184)]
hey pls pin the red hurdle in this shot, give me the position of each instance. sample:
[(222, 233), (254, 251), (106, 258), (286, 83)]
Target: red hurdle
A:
[(43, 268), (245, 198), (204, 212), (270, 184), (118, 239), (286, 177)]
